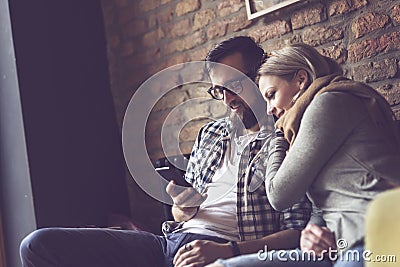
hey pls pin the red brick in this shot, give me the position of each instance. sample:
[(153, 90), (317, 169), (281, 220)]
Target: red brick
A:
[(203, 18), (152, 21), (217, 29), (186, 43), (338, 7), (186, 147), (371, 47), (217, 109), (147, 5), (172, 97), (153, 142), (321, 35), (395, 14), (127, 48), (390, 42), (238, 22), (156, 67), (294, 39), (194, 40), (199, 90), (357, 4), (336, 52), (270, 31), (391, 92), (177, 59), (364, 49), (126, 25), (368, 23), (345, 6), (152, 38), (147, 57), (199, 54), (163, 15), (178, 28), (134, 28), (227, 7), (156, 119), (307, 17), (194, 111), (186, 6), (397, 113), (190, 130), (127, 13), (134, 77), (376, 71), (173, 46)]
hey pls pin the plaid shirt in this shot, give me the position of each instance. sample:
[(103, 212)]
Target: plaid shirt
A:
[(256, 217)]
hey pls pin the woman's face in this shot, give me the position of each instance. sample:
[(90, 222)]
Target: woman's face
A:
[(279, 93)]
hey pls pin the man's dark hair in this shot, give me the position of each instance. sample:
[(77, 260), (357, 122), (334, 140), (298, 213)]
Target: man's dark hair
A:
[(252, 53)]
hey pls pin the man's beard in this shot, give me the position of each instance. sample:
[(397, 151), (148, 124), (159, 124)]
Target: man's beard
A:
[(246, 119)]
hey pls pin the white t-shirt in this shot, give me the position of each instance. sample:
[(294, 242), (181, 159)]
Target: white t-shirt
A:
[(217, 215)]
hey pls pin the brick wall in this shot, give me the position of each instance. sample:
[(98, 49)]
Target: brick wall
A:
[(146, 36)]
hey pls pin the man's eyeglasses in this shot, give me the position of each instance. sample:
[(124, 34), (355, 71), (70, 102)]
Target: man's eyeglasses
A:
[(234, 87)]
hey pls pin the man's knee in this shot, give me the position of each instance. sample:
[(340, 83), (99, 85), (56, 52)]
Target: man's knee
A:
[(36, 241)]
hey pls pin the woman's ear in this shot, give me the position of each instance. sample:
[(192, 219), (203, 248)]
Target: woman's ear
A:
[(302, 79)]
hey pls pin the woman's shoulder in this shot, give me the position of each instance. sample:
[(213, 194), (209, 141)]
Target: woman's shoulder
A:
[(340, 106), (337, 98), (337, 101)]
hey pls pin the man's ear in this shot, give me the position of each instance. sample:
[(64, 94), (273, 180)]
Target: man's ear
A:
[(302, 79)]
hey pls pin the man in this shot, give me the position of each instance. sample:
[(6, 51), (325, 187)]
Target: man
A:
[(228, 200)]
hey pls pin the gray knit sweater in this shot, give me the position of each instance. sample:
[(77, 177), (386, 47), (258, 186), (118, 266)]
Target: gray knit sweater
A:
[(340, 159)]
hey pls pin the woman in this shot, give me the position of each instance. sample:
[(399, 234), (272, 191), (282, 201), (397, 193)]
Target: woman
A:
[(344, 146)]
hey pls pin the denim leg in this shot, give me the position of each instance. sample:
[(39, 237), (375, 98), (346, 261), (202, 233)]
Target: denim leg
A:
[(279, 258), (351, 258), (91, 247), (176, 240)]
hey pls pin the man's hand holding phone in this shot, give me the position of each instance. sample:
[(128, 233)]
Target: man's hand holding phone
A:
[(186, 201)]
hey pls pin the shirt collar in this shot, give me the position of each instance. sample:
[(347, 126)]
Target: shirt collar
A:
[(266, 129)]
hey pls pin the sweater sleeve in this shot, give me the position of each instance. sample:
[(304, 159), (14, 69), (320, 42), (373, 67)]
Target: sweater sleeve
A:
[(325, 125)]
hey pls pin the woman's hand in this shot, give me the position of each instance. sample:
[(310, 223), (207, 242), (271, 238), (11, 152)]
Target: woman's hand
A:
[(318, 239), (199, 253)]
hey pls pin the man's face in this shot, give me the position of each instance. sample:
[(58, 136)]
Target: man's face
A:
[(240, 103)]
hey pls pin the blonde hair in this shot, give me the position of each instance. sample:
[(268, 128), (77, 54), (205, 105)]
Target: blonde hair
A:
[(288, 60)]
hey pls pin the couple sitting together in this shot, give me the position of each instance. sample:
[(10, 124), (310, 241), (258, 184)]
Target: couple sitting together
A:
[(290, 193)]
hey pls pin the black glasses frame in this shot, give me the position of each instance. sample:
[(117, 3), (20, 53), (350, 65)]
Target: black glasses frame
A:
[(225, 87)]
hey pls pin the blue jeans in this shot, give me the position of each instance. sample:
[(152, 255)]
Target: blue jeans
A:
[(102, 247), (351, 258), (292, 258)]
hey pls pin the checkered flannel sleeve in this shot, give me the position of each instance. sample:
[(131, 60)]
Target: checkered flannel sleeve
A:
[(297, 216), (203, 158), (193, 161)]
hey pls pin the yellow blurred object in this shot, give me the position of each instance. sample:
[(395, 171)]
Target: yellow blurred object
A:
[(382, 239)]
